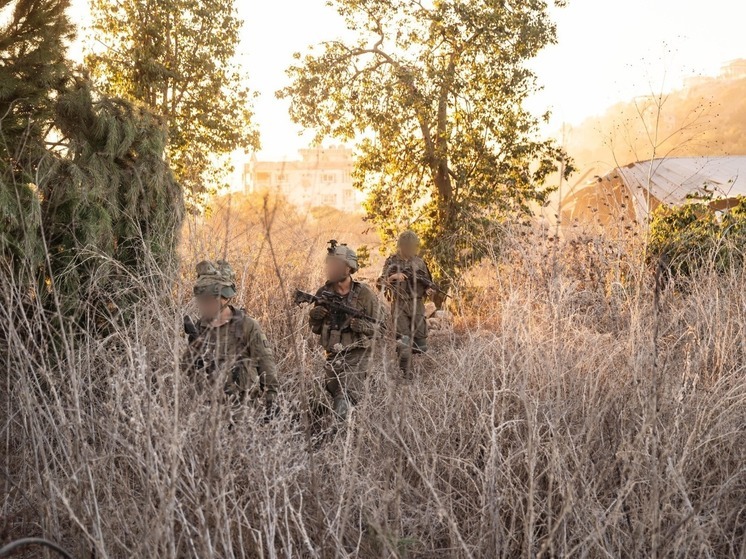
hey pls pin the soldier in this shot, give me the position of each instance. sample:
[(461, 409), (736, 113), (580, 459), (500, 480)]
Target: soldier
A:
[(399, 278), (347, 340), (226, 344)]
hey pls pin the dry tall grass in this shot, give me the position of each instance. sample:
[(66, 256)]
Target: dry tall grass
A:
[(572, 416)]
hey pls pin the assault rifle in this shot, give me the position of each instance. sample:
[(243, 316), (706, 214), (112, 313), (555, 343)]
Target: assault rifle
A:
[(413, 278), (420, 278), (333, 304)]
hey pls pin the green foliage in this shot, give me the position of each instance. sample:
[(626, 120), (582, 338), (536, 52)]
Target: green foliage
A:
[(434, 97), (120, 194), (176, 58), (363, 256), (32, 72), (20, 218), (688, 238), (87, 202)]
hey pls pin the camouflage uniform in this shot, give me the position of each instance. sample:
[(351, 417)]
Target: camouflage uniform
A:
[(237, 353), (348, 353), (407, 304)]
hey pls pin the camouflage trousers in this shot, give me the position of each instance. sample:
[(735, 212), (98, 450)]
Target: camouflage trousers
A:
[(344, 378), (411, 330), (237, 385), (409, 319)]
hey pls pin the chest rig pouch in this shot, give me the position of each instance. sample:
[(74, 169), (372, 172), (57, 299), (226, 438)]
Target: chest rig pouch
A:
[(226, 351), (336, 335)]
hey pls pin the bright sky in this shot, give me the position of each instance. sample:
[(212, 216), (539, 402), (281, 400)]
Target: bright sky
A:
[(607, 51)]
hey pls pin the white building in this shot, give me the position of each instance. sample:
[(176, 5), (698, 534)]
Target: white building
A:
[(321, 177)]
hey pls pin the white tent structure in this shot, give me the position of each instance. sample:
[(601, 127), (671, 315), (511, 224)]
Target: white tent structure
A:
[(631, 192)]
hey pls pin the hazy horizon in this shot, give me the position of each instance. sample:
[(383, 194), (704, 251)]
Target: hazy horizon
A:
[(602, 56)]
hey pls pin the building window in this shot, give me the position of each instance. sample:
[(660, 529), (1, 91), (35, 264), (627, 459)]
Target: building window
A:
[(282, 177), (328, 177), (330, 199), (305, 180), (348, 195)]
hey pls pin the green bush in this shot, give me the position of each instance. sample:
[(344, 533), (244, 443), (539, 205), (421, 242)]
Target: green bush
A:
[(687, 238), (88, 203)]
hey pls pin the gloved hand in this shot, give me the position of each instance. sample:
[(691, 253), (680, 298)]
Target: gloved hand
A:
[(318, 313), (361, 326)]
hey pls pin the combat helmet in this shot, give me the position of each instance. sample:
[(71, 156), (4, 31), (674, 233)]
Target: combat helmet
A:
[(344, 253), (215, 278), (408, 237)]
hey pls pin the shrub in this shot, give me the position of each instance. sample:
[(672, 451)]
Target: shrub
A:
[(693, 236), (88, 204)]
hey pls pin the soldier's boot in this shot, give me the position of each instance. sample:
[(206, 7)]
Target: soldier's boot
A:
[(341, 407), (404, 350), (420, 345)]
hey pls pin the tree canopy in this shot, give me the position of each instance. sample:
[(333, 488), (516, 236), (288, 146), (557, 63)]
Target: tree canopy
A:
[(177, 57), (433, 93), (33, 70), (88, 204)]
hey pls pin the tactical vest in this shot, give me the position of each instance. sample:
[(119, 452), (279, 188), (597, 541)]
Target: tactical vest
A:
[(405, 290), (226, 350), (336, 335)]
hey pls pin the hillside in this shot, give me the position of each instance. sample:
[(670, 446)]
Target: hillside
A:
[(707, 117)]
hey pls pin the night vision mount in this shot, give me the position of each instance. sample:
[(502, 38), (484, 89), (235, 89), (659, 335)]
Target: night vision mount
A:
[(333, 244)]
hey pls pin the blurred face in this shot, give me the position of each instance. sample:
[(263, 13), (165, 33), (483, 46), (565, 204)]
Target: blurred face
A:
[(209, 306), (408, 250), (336, 269)]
